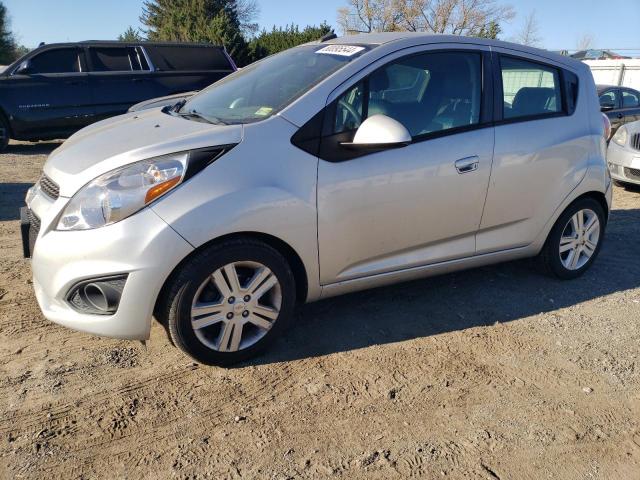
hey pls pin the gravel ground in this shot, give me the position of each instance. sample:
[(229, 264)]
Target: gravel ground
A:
[(494, 373)]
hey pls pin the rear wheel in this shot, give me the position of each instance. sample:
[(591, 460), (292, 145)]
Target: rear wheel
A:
[(4, 133), (230, 301), (575, 240)]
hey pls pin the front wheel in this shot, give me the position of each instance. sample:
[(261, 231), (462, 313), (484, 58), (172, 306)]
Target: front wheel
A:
[(575, 240), (4, 134), (230, 301)]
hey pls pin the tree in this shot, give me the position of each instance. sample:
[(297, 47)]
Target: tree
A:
[(585, 42), (7, 41), (131, 35), (492, 30), (529, 35), (278, 39), (215, 21), (457, 17)]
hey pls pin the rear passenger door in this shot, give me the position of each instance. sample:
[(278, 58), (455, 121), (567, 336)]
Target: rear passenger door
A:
[(119, 78), (541, 149), (52, 97), (630, 105)]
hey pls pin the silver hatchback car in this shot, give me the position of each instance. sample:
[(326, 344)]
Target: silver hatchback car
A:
[(325, 169)]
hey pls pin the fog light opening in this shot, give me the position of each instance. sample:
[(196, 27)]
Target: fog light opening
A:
[(101, 296)]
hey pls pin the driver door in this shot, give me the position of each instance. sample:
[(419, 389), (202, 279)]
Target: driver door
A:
[(394, 209)]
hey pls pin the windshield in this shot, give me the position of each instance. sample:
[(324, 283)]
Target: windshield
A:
[(264, 88)]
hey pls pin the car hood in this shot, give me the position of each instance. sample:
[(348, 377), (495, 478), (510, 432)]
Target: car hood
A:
[(122, 140)]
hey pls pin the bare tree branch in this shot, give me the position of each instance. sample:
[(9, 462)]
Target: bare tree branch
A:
[(458, 17), (530, 33)]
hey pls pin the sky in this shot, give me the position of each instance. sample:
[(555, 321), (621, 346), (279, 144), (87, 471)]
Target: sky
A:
[(561, 22)]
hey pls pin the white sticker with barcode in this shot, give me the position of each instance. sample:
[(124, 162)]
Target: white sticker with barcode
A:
[(342, 50)]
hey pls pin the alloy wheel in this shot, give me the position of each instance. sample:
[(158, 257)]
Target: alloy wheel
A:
[(579, 239), (236, 306)]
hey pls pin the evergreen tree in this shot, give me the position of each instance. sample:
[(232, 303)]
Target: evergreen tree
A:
[(214, 21), (7, 42), (278, 39), (491, 30), (131, 35)]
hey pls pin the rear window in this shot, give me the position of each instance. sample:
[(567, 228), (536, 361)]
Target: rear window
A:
[(176, 57), (116, 59)]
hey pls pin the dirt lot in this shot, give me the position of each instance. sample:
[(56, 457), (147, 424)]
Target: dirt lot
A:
[(495, 373)]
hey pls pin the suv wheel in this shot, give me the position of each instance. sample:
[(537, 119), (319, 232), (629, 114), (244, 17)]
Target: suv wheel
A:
[(230, 301), (575, 240), (4, 134)]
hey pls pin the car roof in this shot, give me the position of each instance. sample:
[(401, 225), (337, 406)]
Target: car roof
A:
[(602, 87), (86, 43), (381, 38)]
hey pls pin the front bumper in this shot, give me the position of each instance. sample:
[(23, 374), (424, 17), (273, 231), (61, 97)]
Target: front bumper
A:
[(623, 163), (142, 246)]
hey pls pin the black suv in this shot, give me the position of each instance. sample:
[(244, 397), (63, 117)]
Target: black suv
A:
[(57, 89), (620, 104)]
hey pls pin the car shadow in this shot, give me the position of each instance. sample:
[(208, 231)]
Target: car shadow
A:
[(458, 301), (11, 199), (37, 148)]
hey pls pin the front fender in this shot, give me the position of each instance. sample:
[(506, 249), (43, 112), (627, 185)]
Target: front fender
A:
[(268, 188)]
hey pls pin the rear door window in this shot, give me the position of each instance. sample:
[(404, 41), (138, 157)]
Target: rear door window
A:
[(116, 59), (630, 99), (62, 60), (529, 89), (176, 57)]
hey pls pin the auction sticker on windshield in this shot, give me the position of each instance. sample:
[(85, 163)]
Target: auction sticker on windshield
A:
[(343, 50)]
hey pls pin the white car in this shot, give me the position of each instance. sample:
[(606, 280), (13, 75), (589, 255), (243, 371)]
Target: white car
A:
[(623, 154), (325, 169)]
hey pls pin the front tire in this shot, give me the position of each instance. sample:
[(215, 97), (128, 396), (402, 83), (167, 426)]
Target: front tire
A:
[(575, 240), (229, 302), (4, 134)]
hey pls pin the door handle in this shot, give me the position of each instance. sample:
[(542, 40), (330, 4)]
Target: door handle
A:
[(620, 115), (467, 164), (138, 80)]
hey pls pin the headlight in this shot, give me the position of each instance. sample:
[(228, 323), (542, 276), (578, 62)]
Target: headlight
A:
[(621, 136), (122, 192)]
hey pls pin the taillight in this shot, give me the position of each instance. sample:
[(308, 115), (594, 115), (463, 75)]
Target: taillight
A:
[(607, 127)]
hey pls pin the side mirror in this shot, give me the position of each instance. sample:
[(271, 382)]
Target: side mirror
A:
[(24, 68), (605, 107), (379, 132)]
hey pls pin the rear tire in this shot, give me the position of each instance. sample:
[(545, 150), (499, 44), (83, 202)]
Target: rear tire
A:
[(4, 133), (220, 321), (575, 240)]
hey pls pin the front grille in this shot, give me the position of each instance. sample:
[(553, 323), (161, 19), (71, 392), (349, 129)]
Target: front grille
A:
[(632, 173), (635, 141), (34, 229), (49, 187)]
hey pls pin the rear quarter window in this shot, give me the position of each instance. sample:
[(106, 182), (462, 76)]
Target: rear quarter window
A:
[(187, 58)]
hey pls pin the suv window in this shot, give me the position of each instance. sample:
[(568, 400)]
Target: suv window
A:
[(427, 93), (177, 57), (62, 60), (529, 88), (116, 59), (609, 99), (630, 99)]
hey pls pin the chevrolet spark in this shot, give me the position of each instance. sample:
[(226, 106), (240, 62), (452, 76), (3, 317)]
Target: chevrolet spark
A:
[(328, 168)]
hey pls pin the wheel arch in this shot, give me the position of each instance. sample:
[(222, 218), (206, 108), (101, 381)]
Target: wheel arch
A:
[(295, 262)]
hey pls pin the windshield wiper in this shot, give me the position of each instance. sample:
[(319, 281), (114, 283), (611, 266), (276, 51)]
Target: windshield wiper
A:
[(200, 117)]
